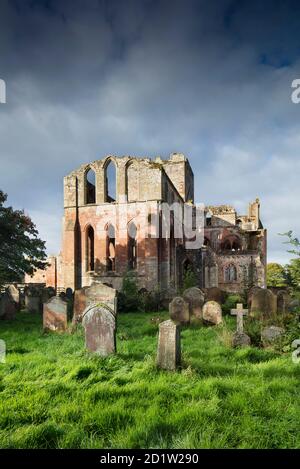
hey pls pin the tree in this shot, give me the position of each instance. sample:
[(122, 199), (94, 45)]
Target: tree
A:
[(293, 273), (21, 251), (276, 275), (293, 241), (189, 279)]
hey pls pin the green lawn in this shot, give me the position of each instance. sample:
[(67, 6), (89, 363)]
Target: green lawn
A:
[(53, 394)]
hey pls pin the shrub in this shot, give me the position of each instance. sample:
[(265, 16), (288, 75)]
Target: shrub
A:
[(253, 329), (151, 301), (231, 302), (129, 298), (189, 279)]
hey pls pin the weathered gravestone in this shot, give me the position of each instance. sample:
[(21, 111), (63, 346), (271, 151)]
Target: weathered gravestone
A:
[(271, 334), (179, 310), (99, 322), (195, 299), (33, 300), (55, 315), (96, 293), (283, 300), (240, 339), (263, 303), (14, 294), (212, 313), (8, 308), (169, 348)]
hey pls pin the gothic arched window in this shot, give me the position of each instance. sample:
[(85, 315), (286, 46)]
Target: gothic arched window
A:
[(230, 273), (90, 257), (90, 186), (110, 249), (110, 173), (132, 246)]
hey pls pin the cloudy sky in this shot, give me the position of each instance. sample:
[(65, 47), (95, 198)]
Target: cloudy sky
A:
[(211, 79)]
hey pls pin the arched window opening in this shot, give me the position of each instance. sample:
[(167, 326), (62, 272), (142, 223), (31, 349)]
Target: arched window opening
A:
[(90, 249), (90, 187), (110, 182), (236, 245), (110, 249), (230, 273), (226, 245), (132, 246), (231, 244)]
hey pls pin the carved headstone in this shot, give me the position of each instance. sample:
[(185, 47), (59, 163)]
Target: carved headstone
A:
[(96, 293), (8, 308), (55, 315), (99, 322), (179, 310), (212, 313), (195, 299), (263, 303), (169, 348)]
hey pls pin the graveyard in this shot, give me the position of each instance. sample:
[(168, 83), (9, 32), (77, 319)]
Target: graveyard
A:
[(56, 392)]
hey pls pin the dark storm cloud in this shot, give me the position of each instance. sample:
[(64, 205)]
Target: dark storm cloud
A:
[(210, 79)]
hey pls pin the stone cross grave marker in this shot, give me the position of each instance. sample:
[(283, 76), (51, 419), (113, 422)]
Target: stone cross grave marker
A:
[(239, 312)]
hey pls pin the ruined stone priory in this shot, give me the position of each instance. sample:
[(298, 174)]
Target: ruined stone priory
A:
[(103, 203)]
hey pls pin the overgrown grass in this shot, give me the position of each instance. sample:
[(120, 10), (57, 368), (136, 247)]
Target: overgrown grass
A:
[(53, 394)]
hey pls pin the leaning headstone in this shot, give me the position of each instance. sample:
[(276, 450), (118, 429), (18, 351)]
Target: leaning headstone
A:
[(8, 308), (99, 322), (240, 338), (263, 303), (179, 310), (271, 334), (96, 293), (169, 348), (14, 293), (55, 315), (195, 299), (212, 313)]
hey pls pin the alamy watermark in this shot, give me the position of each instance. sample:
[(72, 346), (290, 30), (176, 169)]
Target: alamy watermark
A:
[(2, 351), (295, 96), (157, 220), (2, 92)]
